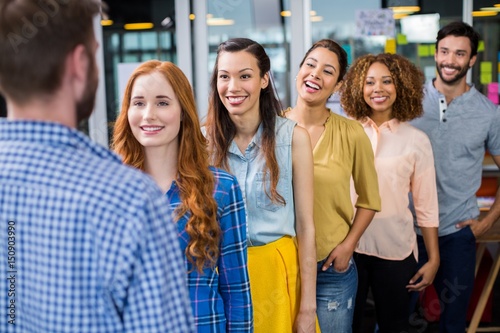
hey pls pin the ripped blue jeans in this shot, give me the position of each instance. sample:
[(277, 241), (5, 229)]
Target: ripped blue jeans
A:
[(335, 296)]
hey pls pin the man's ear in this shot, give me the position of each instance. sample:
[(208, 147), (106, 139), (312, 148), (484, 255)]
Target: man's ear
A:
[(472, 61), (77, 63)]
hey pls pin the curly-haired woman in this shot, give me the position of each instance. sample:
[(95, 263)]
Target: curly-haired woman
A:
[(383, 92), (158, 131)]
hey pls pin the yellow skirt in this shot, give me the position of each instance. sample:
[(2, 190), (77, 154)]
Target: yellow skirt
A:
[(275, 285)]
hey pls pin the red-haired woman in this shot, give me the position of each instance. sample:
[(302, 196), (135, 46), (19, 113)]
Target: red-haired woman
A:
[(158, 131)]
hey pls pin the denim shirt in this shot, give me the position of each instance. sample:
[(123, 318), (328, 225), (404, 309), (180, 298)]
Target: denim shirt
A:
[(266, 221)]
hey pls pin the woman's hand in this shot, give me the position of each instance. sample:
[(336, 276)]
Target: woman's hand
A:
[(305, 322), (427, 272), (339, 257)]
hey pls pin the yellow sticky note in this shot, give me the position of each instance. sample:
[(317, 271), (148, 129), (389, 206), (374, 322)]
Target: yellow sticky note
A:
[(486, 77), (401, 39), (423, 50), (480, 46), (486, 66), (390, 45)]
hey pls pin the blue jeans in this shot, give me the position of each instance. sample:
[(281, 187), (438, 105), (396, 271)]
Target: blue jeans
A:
[(335, 296), (455, 277)]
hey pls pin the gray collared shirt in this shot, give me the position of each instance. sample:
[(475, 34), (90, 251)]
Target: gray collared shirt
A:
[(460, 134)]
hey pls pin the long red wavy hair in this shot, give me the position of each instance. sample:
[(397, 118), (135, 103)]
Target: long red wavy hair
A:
[(195, 181)]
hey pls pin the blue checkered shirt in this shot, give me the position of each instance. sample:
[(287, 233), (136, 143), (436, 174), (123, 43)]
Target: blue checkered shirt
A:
[(220, 296), (85, 245)]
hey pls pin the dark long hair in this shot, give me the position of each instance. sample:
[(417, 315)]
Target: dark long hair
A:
[(221, 129)]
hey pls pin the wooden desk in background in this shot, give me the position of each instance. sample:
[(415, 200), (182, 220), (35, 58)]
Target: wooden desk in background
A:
[(492, 236)]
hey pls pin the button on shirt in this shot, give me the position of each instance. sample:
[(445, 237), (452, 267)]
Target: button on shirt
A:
[(94, 249), (220, 296), (404, 163)]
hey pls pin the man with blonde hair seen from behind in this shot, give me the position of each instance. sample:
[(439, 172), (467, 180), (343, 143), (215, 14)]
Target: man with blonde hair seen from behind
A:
[(86, 242)]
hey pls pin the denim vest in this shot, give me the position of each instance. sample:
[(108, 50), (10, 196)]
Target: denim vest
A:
[(266, 221)]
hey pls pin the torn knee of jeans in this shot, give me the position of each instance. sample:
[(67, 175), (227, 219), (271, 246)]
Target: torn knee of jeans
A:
[(334, 305)]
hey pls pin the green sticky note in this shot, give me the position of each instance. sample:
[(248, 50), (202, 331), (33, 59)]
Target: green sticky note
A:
[(401, 39), (480, 46), (486, 67), (432, 49), (423, 50), (486, 77)]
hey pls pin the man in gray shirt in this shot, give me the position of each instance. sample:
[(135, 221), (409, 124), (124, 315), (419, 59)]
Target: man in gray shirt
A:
[(461, 124)]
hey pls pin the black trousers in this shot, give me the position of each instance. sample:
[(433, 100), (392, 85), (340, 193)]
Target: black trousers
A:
[(387, 280)]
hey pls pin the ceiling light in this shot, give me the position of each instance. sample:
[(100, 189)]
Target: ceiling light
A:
[(106, 23), (167, 22), (138, 26), (482, 13), (398, 16), (286, 13), (316, 18), (491, 9), (219, 21), (405, 9)]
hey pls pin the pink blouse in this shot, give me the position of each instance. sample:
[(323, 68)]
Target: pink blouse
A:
[(405, 165)]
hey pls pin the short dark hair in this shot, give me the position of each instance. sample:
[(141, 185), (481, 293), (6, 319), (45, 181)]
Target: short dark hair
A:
[(460, 29), (335, 48), (35, 38)]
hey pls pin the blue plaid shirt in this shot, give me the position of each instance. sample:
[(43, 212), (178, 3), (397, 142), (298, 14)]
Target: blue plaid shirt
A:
[(220, 296), (84, 242)]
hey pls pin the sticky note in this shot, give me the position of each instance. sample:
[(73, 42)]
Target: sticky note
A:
[(493, 87), (485, 77), (390, 45), (493, 97), (480, 46), (401, 39), (423, 50), (432, 49), (486, 66)]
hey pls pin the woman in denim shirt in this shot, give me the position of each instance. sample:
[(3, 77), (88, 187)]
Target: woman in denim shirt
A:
[(271, 158)]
